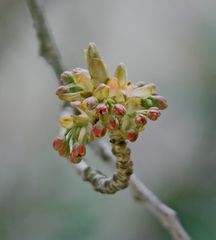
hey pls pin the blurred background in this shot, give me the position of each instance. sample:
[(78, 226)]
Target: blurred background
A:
[(168, 42)]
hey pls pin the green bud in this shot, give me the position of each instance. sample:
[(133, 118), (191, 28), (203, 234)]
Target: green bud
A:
[(66, 77), (147, 103), (159, 101)]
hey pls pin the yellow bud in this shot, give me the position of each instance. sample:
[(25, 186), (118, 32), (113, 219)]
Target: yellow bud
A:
[(121, 74), (96, 66), (92, 52), (80, 120), (66, 122), (101, 92), (82, 79), (144, 91), (70, 97), (90, 102), (98, 71)]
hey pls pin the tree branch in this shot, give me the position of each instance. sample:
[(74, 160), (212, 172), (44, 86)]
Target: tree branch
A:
[(49, 51)]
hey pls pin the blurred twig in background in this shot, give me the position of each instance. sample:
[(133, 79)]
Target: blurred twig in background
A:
[(140, 192)]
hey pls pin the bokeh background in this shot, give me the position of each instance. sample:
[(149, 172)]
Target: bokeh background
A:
[(169, 42)]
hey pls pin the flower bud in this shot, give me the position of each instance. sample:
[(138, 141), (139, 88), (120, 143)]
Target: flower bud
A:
[(90, 102), (147, 103), (64, 151), (159, 101), (71, 88), (82, 79), (70, 97), (144, 91), (96, 66), (98, 130), (58, 143), (140, 119), (113, 124), (101, 92), (80, 120), (153, 114), (121, 74), (66, 122), (119, 110), (78, 151), (101, 109), (66, 77), (132, 135)]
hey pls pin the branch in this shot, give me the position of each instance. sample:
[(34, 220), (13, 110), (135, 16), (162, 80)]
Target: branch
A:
[(48, 48), (139, 191)]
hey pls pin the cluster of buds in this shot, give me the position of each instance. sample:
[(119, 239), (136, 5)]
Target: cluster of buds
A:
[(105, 103)]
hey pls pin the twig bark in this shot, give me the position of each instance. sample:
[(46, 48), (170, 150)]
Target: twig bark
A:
[(49, 51)]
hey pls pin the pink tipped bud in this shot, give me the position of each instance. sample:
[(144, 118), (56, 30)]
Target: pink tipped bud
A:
[(132, 135), (160, 101), (67, 77), (63, 152), (58, 143), (98, 130), (101, 109), (113, 124), (140, 120), (119, 110), (60, 90), (153, 114), (78, 151)]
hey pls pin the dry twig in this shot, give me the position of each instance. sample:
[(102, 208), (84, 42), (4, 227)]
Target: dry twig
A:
[(49, 51)]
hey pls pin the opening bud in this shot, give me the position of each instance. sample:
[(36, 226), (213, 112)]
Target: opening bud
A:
[(101, 92), (66, 77), (119, 110), (101, 109), (98, 130), (159, 101)]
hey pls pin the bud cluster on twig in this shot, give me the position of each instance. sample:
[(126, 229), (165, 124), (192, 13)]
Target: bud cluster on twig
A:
[(105, 103)]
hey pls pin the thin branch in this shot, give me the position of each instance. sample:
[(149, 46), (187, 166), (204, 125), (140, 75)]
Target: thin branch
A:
[(48, 47), (139, 191)]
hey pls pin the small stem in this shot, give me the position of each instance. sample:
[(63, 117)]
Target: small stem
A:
[(120, 179)]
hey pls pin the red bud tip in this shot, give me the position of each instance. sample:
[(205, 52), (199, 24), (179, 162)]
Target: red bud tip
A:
[(98, 130), (119, 110), (78, 150), (113, 124), (101, 109), (58, 143), (60, 90), (63, 152), (132, 135), (153, 114), (140, 119), (82, 150)]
